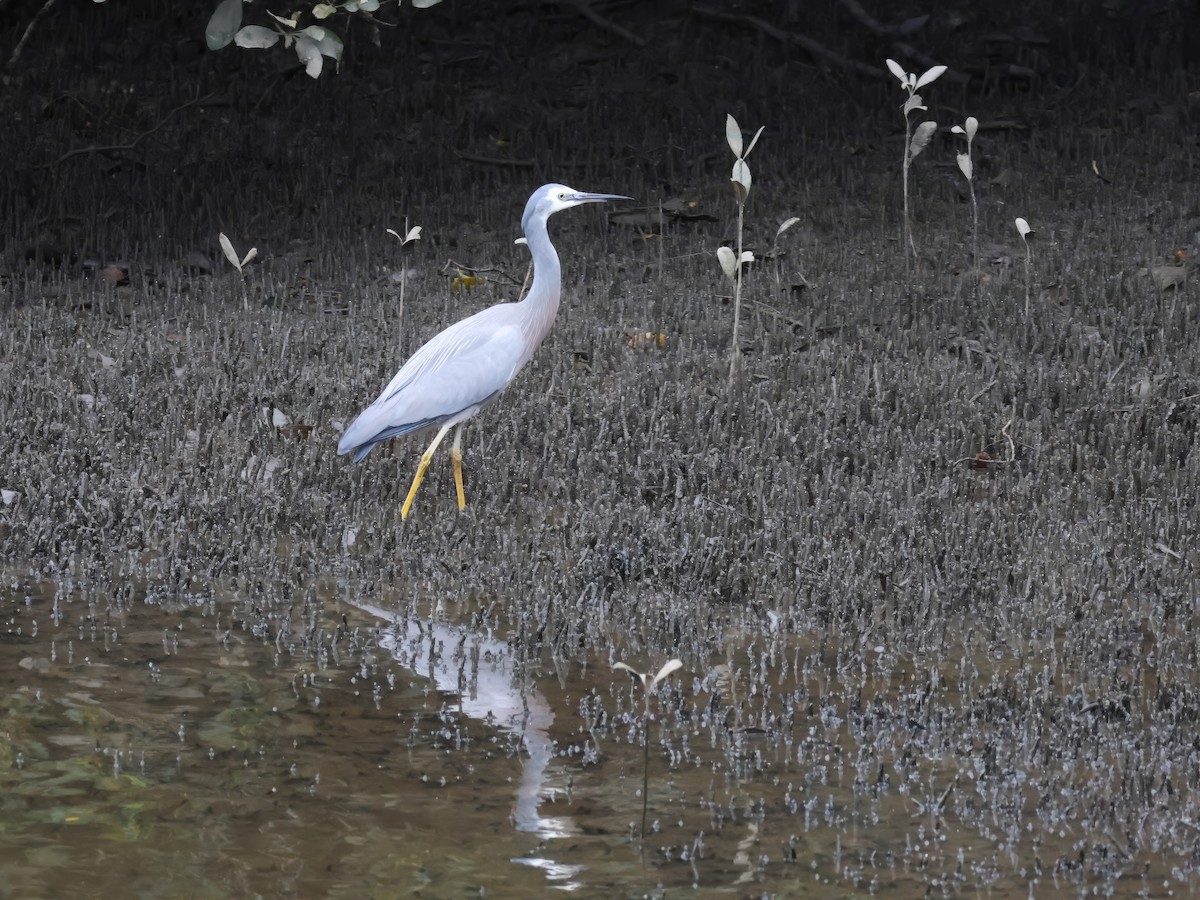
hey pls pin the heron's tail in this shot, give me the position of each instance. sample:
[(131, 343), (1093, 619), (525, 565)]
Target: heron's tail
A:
[(364, 433)]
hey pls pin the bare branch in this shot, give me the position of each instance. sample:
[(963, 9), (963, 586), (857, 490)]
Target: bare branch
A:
[(905, 49), (138, 138), (585, 9), (17, 50), (787, 37)]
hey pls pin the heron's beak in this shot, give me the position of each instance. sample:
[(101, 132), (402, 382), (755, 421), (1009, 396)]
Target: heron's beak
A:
[(585, 197)]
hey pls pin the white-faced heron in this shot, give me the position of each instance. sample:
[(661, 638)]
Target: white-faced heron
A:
[(462, 369)]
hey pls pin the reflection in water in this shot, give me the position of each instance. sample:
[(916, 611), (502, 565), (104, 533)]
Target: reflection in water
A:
[(478, 669), (783, 773), (556, 872)]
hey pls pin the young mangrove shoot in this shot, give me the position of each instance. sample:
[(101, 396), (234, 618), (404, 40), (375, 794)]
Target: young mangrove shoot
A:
[(410, 235), (731, 262), (967, 167), (648, 684), (1024, 230), (915, 140), (239, 262), (775, 252)]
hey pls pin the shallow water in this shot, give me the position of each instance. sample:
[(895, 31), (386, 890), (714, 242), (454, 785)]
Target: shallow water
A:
[(169, 750)]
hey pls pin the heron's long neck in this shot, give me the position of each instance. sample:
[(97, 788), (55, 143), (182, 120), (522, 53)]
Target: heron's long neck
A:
[(541, 304)]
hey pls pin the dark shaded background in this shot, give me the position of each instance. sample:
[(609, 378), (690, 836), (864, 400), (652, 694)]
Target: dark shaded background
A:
[(244, 141)]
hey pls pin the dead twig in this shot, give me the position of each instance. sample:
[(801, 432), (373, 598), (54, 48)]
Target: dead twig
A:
[(495, 161), (1012, 448), (983, 390), (586, 10), (452, 268), (726, 507), (902, 47), (984, 460), (131, 145), (1171, 405), (856, 9), (787, 37), (775, 314)]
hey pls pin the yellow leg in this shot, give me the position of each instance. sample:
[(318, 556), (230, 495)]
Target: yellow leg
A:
[(416, 483), (456, 456), (426, 458)]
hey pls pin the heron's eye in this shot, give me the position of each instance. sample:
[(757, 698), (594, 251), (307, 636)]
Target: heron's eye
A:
[(562, 195)]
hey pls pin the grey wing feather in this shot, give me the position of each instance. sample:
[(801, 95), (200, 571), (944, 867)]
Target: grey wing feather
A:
[(459, 369)]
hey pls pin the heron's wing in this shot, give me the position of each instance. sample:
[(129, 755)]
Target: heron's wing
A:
[(457, 371), (473, 358)]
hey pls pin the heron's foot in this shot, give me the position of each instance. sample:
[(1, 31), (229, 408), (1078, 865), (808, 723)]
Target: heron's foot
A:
[(416, 483), (456, 456)]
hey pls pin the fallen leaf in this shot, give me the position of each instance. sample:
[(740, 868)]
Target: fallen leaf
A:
[(464, 282), (298, 432), (641, 340)]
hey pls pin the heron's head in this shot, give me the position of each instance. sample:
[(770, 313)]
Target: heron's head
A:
[(552, 198)]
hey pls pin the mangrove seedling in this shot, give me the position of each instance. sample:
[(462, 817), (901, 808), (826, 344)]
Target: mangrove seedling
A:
[(1024, 230), (967, 167), (915, 140), (648, 684), (775, 252), (239, 262), (731, 262), (410, 235)]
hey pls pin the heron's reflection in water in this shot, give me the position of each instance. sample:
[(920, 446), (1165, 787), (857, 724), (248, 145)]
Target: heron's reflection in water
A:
[(478, 669)]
